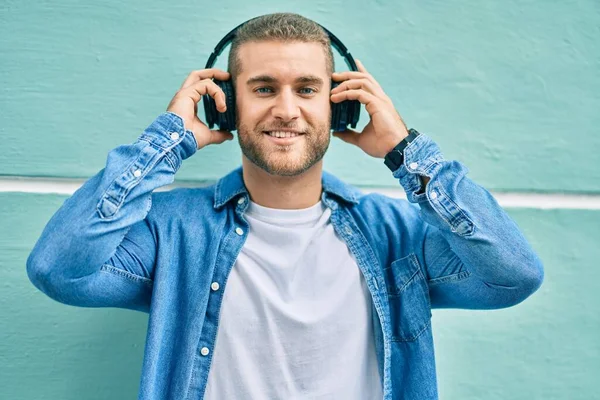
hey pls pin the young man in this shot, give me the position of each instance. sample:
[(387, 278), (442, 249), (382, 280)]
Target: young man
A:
[(280, 281)]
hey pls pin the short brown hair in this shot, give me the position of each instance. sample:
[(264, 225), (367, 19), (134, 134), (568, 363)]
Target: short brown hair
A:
[(284, 27)]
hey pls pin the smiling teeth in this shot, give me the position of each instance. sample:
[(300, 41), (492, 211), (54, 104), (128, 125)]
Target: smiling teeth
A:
[(283, 134)]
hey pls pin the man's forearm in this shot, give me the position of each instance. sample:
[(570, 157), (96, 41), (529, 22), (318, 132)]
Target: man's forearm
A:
[(478, 230), (88, 227)]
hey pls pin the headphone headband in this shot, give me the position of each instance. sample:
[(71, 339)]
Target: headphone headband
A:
[(335, 43)]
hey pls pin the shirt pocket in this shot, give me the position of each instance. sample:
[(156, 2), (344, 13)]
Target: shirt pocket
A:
[(408, 297)]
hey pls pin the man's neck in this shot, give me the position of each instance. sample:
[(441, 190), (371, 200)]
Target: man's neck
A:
[(283, 192)]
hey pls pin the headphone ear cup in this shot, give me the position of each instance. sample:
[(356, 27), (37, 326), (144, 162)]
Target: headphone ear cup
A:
[(355, 113), (335, 111), (210, 110), (344, 113), (225, 121)]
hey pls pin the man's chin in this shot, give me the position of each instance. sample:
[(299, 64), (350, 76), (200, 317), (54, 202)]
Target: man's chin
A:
[(278, 169), (276, 160)]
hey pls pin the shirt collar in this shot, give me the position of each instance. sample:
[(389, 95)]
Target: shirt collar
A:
[(232, 185)]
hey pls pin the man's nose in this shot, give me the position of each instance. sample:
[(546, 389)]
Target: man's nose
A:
[(286, 106)]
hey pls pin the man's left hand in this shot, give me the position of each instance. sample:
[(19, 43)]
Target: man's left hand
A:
[(385, 129)]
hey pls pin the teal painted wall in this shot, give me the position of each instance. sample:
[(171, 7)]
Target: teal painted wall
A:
[(509, 88)]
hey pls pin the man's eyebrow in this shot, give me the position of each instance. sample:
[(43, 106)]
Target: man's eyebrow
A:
[(309, 79), (270, 79)]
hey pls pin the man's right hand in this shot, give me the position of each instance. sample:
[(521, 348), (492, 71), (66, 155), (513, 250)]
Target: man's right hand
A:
[(185, 104)]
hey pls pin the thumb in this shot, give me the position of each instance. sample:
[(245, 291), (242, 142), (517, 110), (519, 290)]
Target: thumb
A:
[(348, 136), (219, 136)]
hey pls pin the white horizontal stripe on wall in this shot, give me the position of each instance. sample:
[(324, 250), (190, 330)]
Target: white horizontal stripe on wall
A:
[(506, 199)]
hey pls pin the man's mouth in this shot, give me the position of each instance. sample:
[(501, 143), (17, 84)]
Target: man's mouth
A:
[(283, 138), (282, 134)]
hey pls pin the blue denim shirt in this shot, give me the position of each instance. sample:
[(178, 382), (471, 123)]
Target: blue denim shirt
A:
[(116, 243)]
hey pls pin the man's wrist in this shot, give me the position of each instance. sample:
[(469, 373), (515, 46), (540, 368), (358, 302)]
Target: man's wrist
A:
[(394, 141)]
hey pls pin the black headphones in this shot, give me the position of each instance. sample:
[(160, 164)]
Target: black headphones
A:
[(342, 113)]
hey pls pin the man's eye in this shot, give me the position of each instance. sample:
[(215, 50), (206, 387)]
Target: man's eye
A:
[(262, 88), (313, 90)]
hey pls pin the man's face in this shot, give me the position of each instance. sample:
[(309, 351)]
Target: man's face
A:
[(283, 87)]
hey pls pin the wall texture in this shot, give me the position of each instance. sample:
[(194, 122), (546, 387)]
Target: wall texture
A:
[(511, 89)]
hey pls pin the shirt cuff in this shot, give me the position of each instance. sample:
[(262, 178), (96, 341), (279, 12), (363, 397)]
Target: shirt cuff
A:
[(421, 157), (168, 132)]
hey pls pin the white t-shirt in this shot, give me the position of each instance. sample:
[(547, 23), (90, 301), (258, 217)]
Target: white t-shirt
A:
[(295, 322)]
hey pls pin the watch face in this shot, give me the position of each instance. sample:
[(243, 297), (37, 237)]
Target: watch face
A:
[(393, 160)]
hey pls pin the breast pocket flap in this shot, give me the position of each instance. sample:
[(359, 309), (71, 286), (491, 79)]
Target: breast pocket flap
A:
[(408, 298)]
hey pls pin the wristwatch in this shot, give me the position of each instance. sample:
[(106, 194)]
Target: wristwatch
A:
[(394, 158)]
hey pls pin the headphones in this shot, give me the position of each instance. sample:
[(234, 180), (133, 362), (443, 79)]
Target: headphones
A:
[(342, 113)]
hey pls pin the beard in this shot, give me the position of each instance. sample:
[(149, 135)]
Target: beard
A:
[(284, 160)]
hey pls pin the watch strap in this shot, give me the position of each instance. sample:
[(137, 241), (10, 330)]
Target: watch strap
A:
[(395, 157)]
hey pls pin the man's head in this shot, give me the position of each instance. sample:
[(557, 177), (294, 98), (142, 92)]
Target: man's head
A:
[(281, 67)]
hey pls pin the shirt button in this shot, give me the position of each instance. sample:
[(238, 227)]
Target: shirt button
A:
[(241, 200), (214, 286), (413, 165), (433, 194), (137, 173), (239, 231), (204, 351), (174, 135)]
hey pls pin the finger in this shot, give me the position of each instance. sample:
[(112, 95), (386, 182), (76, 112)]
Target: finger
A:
[(372, 104), (342, 76), (348, 136), (206, 86), (345, 75), (359, 84), (360, 66), (201, 74), (354, 94)]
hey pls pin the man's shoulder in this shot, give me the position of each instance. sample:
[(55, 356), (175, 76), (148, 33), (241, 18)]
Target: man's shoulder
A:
[(387, 217), (184, 200)]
